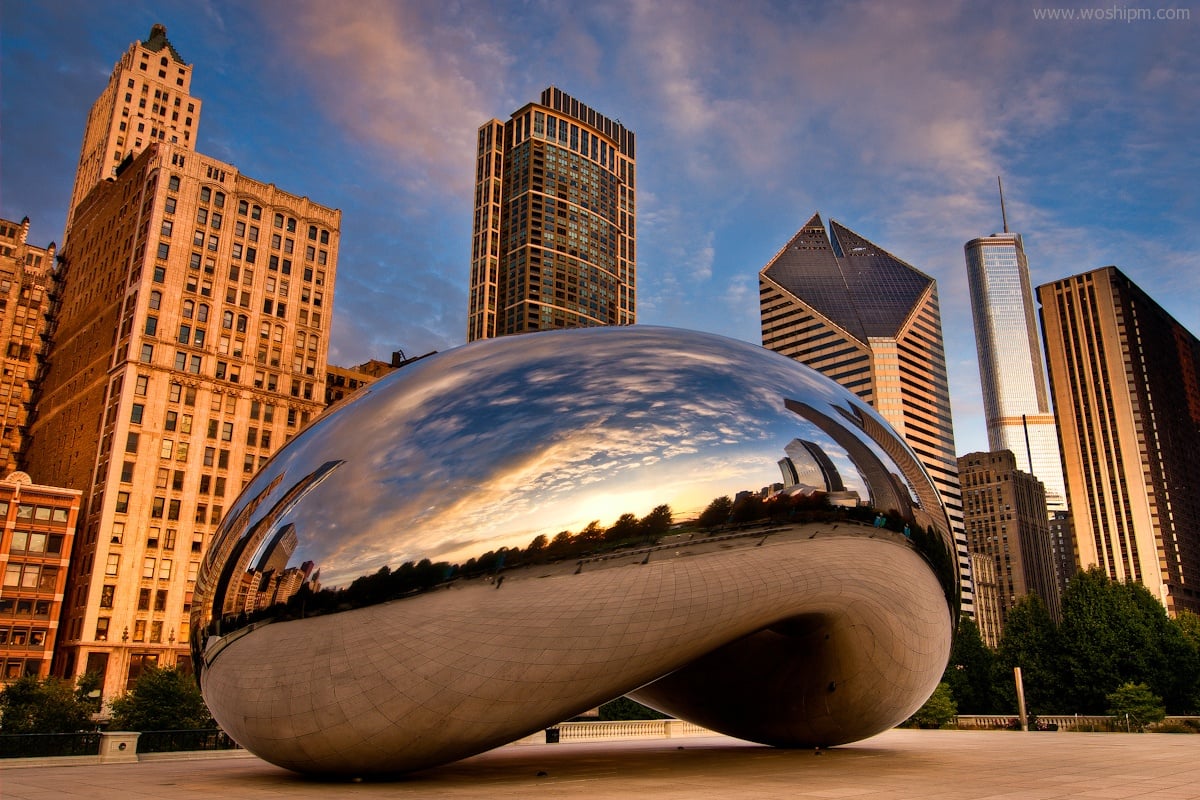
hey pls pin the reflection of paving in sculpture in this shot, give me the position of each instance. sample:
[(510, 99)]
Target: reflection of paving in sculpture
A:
[(456, 611)]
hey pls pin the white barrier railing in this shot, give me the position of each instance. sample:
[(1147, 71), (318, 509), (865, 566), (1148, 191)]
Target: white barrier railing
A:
[(627, 729)]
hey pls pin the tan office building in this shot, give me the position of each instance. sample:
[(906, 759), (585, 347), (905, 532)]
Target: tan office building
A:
[(854, 312), (554, 237), (1125, 377), (191, 343), (1004, 514), (26, 288)]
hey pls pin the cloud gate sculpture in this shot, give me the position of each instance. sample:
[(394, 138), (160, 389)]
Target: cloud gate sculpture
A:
[(500, 537)]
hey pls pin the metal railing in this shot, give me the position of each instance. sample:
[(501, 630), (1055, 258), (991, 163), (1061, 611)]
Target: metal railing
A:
[(41, 745), (190, 740)]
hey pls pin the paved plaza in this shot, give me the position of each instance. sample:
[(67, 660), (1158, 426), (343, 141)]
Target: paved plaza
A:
[(928, 765)]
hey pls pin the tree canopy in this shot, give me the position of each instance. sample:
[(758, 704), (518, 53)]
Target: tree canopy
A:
[(161, 700), (1111, 635), (53, 705)]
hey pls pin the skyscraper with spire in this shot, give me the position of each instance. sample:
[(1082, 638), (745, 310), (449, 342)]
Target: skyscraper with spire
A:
[(1016, 398), (859, 315)]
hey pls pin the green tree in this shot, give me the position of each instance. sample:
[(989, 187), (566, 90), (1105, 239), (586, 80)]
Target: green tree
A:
[(624, 708), (590, 537), (1030, 641), (1136, 705), (88, 687), (625, 529), (938, 710), (31, 705), (537, 546), (971, 671), (716, 513), (656, 524), (749, 509), (1188, 624), (561, 546), (1116, 633), (161, 700)]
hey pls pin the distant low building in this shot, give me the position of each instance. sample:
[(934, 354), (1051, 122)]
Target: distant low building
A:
[(341, 382), (35, 548)]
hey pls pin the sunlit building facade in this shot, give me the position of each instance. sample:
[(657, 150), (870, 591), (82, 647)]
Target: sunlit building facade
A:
[(191, 340), (1125, 378), (26, 288), (554, 236), (854, 312), (208, 358), (1016, 399), (147, 100)]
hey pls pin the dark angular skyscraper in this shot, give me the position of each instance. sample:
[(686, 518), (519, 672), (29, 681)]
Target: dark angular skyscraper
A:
[(554, 230), (854, 312)]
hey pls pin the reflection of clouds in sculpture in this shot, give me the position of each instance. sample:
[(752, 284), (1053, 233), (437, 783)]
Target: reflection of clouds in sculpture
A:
[(576, 430), (479, 439), (492, 444)]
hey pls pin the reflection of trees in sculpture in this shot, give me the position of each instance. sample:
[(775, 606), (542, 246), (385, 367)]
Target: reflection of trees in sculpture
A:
[(304, 598)]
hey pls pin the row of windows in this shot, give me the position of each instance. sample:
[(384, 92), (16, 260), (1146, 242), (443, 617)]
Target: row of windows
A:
[(22, 636), (13, 668), (36, 513), (24, 607), (36, 543), (245, 208), (151, 567), (30, 577), (139, 633)]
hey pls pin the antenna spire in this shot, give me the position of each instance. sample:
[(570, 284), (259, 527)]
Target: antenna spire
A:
[(1003, 215)]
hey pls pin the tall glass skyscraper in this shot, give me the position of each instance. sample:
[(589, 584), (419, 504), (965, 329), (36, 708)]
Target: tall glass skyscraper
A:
[(554, 242), (1016, 401)]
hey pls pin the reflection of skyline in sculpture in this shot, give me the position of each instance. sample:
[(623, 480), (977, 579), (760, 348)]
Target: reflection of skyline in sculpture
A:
[(239, 547), (807, 465), (885, 495), (809, 469), (271, 581), (446, 641)]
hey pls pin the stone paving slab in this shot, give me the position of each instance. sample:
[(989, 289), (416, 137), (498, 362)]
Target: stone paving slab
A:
[(924, 765)]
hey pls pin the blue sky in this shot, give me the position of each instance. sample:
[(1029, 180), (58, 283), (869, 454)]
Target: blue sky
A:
[(892, 118)]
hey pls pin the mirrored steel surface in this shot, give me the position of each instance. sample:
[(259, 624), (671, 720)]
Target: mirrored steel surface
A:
[(507, 534)]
